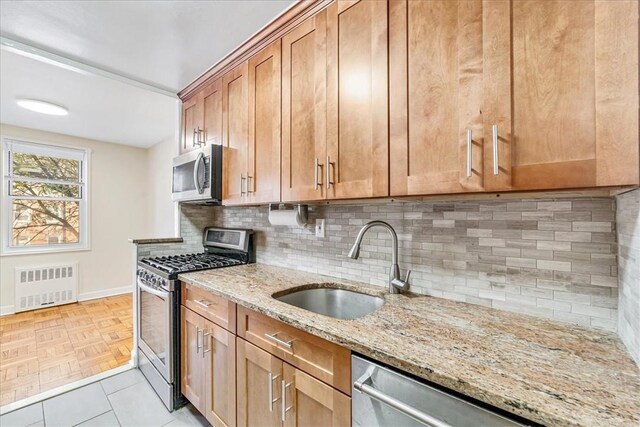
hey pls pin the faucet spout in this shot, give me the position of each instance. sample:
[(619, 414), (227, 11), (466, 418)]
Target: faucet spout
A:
[(395, 283)]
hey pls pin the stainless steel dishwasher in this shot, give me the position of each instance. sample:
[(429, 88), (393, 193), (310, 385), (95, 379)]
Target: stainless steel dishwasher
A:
[(382, 397)]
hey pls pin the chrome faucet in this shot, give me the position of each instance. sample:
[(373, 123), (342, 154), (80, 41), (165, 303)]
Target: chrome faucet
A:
[(395, 283)]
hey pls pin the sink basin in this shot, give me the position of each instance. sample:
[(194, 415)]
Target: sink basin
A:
[(338, 303)]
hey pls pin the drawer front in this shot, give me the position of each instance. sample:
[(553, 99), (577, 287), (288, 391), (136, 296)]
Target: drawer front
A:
[(322, 359), (212, 307)]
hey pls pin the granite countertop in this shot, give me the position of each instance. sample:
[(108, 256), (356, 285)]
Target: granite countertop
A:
[(155, 240), (548, 372)]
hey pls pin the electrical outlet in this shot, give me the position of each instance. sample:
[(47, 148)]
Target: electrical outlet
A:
[(320, 228)]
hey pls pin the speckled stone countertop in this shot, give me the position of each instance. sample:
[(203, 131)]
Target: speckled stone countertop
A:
[(548, 372), (155, 240)]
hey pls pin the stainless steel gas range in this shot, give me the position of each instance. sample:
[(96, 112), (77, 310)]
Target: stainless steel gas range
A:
[(158, 308)]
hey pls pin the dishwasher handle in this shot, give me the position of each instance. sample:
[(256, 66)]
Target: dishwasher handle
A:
[(364, 385)]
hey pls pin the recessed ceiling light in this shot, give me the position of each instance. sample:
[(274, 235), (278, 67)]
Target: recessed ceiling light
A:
[(43, 107)]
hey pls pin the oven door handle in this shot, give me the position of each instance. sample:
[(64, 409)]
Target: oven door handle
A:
[(147, 288)]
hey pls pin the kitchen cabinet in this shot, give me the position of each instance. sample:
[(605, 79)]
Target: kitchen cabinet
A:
[(208, 368), (192, 366), (263, 170), (512, 95), (259, 386), (304, 110), (357, 163), (561, 99), (235, 134), (436, 83), (272, 392), (202, 118)]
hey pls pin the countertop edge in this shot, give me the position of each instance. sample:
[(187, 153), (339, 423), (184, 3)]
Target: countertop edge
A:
[(151, 241)]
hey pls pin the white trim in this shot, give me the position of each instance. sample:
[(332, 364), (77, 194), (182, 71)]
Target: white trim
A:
[(8, 144), (78, 67), (86, 296), (7, 309), (64, 389)]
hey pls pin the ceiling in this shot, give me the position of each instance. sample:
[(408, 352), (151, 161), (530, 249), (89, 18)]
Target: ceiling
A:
[(166, 44)]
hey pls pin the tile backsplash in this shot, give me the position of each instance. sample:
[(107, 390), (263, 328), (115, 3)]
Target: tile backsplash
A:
[(549, 258), (628, 221)]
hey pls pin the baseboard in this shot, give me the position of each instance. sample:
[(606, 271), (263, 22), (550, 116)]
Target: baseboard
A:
[(6, 309), (10, 309), (85, 296)]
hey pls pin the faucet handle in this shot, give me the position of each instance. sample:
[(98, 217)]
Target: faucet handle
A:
[(406, 278)]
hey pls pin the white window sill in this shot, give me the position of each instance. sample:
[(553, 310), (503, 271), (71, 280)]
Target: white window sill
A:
[(39, 251)]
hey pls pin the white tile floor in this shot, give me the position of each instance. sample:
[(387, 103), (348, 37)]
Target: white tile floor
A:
[(124, 400)]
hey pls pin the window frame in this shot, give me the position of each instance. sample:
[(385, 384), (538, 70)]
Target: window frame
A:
[(10, 144)]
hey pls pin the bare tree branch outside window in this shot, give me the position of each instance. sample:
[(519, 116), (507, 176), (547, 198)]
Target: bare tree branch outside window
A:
[(46, 193)]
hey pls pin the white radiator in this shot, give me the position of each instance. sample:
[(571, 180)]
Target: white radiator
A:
[(45, 286)]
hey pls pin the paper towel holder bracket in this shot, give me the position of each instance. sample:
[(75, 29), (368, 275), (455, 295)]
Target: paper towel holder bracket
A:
[(302, 210)]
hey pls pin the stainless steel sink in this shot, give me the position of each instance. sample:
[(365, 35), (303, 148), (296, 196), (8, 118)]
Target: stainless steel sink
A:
[(338, 303)]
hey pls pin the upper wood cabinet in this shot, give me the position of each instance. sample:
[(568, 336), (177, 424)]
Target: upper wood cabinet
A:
[(562, 94), (235, 134), (263, 170), (202, 118), (436, 82), (357, 163), (304, 110), (191, 120)]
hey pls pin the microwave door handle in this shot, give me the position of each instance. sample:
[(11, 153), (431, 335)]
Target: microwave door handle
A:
[(199, 163)]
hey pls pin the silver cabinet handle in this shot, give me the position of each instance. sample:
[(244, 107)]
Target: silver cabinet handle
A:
[(278, 341), (195, 138), (496, 160), (249, 180), (202, 302), (284, 408), (197, 340), (242, 178), (205, 348), (316, 184), (469, 151), (272, 378), (363, 385), (329, 182), (201, 132)]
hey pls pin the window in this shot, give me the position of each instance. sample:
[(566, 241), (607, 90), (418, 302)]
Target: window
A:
[(45, 197)]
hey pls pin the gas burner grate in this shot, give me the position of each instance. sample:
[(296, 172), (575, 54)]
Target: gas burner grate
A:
[(174, 264)]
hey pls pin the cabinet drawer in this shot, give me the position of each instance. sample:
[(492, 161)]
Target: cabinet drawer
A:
[(320, 358), (217, 309)]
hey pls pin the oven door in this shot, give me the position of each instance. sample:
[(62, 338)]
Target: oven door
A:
[(192, 176), (156, 327)]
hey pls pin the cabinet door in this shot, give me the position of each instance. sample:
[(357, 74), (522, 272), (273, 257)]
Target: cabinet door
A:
[(308, 401), (219, 350), (212, 112), (191, 112), (435, 91), (263, 176), (235, 108), (563, 93), (304, 110), (191, 359), (357, 131), (259, 377)]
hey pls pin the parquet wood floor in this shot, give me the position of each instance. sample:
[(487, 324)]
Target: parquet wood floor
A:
[(50, 347)]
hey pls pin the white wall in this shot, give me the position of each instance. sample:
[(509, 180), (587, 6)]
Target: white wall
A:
[(161, 210), (118, 209)]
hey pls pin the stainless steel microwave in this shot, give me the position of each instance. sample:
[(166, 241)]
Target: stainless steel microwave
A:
[(197, 176)]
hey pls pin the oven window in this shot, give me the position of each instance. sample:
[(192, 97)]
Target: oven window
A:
[(183, 177), (154, 321)]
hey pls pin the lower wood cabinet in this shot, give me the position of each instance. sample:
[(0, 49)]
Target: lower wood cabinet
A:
[(208, 368), (274, 393)]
